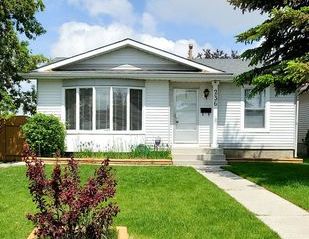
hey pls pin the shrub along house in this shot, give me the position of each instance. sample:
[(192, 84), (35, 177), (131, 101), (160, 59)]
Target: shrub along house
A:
[(128, 93)]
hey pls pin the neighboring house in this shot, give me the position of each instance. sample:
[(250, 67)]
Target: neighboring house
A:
[(128, 93), (303, 122)]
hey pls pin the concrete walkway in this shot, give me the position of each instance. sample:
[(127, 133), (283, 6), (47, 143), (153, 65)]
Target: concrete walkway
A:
[(283, 217), (7, 165)]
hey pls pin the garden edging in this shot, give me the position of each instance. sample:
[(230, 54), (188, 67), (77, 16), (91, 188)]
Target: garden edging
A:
[(111, 161), (122, 233)]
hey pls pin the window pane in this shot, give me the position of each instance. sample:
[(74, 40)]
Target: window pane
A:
[(136, 106), (119, 108), (257, 101), (254, 118), (85, 112), (102, 108), (70, 108)]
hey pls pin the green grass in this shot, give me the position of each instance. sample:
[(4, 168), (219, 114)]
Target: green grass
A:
[(306, 160), (155, 202), (290, 181)]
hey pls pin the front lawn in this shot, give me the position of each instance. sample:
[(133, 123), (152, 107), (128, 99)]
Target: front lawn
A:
[(290, 181), (155, 202)]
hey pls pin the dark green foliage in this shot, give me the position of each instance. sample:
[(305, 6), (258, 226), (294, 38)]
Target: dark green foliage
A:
[(267, 6), (281, 58), (17, 18), (45, 134), (217, 54)]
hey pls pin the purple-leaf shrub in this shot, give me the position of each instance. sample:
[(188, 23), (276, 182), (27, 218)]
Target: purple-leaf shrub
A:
[(67, 209)]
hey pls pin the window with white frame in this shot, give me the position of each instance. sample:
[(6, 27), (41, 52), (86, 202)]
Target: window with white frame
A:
[(104, 108), (254, 115), (70, 108)]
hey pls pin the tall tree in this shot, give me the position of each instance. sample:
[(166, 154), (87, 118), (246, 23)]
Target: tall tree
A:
[(281, 58), (17, 20)]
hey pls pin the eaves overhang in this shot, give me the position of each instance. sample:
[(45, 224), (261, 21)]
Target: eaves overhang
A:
[(142, 75)]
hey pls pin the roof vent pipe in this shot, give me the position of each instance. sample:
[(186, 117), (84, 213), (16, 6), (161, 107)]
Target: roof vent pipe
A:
[(190, 52)]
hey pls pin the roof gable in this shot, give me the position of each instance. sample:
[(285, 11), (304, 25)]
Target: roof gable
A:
[(126, 53), (127, 58)]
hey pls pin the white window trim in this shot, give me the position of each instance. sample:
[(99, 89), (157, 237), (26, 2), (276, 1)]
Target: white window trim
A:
[(110, 130), (267, 112)]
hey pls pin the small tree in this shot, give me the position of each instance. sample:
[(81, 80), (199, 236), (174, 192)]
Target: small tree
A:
[(45, 134), (67, 210)]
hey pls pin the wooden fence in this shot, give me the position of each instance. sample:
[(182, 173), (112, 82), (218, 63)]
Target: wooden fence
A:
[(11, 140)]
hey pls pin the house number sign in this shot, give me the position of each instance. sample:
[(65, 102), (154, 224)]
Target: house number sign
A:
[(215, 97)]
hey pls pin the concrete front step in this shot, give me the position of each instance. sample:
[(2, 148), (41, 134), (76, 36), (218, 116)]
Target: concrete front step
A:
[(198, 156), (198, 162), (187, 162), (197, 151)]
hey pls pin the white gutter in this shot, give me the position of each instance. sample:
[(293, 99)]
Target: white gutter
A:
[(181, 76)]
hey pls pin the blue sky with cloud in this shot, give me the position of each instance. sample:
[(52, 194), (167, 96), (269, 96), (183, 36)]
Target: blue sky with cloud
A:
[(74, 26)]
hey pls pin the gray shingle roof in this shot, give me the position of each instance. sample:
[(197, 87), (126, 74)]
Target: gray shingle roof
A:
[(235, 66)]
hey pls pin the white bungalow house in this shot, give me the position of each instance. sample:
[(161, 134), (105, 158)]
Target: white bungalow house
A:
[(128, 93)]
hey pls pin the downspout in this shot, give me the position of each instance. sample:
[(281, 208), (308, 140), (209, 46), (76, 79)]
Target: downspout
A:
[(169, 116), (296, 125)]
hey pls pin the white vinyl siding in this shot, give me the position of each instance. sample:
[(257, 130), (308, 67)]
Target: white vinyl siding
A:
[(157, 111), (205, 120), (281, 121), (303, 117), (50, 97)]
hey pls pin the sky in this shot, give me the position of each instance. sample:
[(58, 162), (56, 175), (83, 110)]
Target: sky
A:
[(75, 26)]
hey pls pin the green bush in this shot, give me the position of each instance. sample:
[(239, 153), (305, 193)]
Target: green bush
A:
[(45, 134)]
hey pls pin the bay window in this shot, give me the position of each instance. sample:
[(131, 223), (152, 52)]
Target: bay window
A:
[(104, 108)]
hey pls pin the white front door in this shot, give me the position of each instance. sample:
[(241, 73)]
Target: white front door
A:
[(185, 116)]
